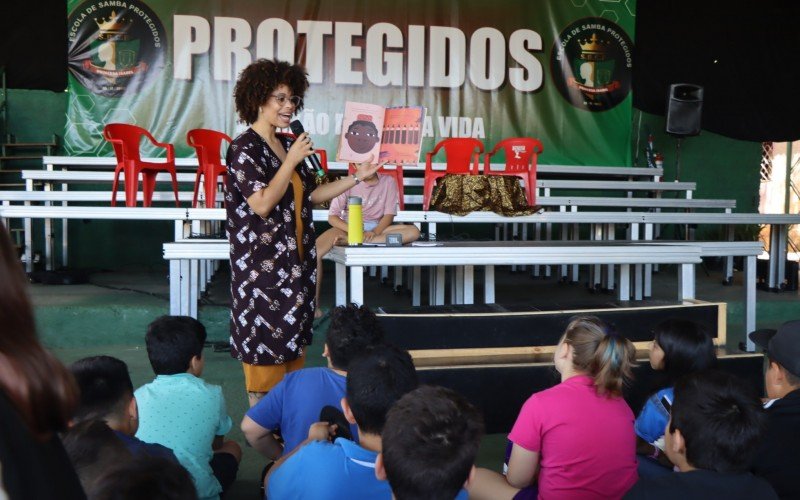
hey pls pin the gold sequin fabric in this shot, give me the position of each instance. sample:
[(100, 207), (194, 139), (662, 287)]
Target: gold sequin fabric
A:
[(462, 194)]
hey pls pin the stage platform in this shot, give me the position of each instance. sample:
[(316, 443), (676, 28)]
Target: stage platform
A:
[(109, 315)]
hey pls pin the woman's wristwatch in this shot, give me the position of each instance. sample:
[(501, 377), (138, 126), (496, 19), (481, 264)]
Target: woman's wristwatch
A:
[(355, 178)]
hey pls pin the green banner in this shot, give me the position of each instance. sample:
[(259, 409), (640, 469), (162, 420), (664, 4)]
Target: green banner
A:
[(556, 70)]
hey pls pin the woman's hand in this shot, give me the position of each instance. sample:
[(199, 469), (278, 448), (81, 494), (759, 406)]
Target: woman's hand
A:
[(300, 150), (369, 236), (367, 169)]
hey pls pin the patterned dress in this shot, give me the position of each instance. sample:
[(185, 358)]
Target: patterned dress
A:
[(272, 285)]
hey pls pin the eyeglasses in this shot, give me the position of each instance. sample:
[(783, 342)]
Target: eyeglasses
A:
[(281, 99)]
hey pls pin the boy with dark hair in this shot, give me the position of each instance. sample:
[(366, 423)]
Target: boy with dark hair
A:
[(295, 403), (92, 447), (430, 442), (107, 394), (145, 477), (344, 469), (777, 459), (181, 411), (712, 435)]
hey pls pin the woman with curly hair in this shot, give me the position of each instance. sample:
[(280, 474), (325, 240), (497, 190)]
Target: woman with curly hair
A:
[(269, 199)]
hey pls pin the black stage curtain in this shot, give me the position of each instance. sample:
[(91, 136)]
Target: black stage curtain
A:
[(33, 44), (745, 53), (749, 90)]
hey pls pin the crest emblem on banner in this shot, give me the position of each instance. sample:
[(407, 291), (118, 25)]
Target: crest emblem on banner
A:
[(591, 64), (115, 46)]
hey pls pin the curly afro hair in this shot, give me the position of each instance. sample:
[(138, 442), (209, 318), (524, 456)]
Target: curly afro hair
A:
[(257, 82)]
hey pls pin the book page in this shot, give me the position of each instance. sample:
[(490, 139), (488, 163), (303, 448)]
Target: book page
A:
[(402, 135), (361, 136)]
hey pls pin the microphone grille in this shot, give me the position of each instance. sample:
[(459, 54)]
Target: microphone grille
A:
[(297, 127)]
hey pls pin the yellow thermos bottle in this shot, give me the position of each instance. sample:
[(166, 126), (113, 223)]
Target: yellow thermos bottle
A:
[(355, 221)]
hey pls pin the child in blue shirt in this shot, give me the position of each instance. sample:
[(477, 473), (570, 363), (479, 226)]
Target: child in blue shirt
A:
[(343, 469), (296, 402), (181, 411)]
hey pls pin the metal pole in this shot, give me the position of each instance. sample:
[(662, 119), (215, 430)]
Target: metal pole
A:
[(788, 187)]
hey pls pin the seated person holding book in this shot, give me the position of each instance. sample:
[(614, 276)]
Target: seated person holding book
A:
[(379, 200)]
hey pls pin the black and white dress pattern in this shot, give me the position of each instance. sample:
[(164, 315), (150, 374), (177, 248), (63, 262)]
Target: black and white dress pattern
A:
[(272, 285)]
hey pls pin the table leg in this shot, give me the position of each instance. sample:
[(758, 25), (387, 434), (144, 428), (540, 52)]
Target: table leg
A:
[(729, 258), (548, 230), (64, 234), (185, 287), (624, 288), (440, 285), (775, 279), (595, 271), (538, 237), (648, 268), (488, 285), (686, 282), (28, 242), (780, 253), (174, 287), (610, 272), (749, 300), (357, 284), (576, 235), (194, 287), (341, 284), (469, 285), (457, 294), (416, 290)]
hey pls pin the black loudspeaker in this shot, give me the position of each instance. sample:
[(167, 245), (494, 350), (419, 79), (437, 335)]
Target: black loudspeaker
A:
[(684, 109)]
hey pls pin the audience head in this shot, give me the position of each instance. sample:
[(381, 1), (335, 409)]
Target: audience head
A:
[(430, 442), (716, 423), (681, 347), (145, 477), (591, 347), (375, 381), (39, 386), (92, 448), (258, 81), (106, 392), (782, 349), (175, 344), (353, 329)]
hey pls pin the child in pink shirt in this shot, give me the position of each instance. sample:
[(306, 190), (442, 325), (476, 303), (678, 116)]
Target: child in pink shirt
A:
[(379, 201), (576, 439)]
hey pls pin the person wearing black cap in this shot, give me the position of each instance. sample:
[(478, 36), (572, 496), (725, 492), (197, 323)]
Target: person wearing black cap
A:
[(778, 460)]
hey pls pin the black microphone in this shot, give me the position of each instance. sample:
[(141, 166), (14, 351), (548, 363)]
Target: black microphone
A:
[(311, 161)]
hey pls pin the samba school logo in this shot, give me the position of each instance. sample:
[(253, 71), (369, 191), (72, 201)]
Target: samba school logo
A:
[(591, 64), (115, 46)]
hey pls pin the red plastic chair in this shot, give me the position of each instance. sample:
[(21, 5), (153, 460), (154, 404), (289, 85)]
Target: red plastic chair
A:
[(461, 156), (397, 173), (125, 138), (522, 153), (207, 144)]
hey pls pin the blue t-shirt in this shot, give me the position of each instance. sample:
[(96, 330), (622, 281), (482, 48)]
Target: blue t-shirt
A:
[(322, 470), (654, 416), (184, 413), (331, 471), (295, 403)]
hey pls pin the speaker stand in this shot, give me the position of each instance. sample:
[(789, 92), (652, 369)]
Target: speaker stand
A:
[(678, 159)]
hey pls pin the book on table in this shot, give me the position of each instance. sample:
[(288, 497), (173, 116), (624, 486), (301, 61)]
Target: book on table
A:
[(392, 135)]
